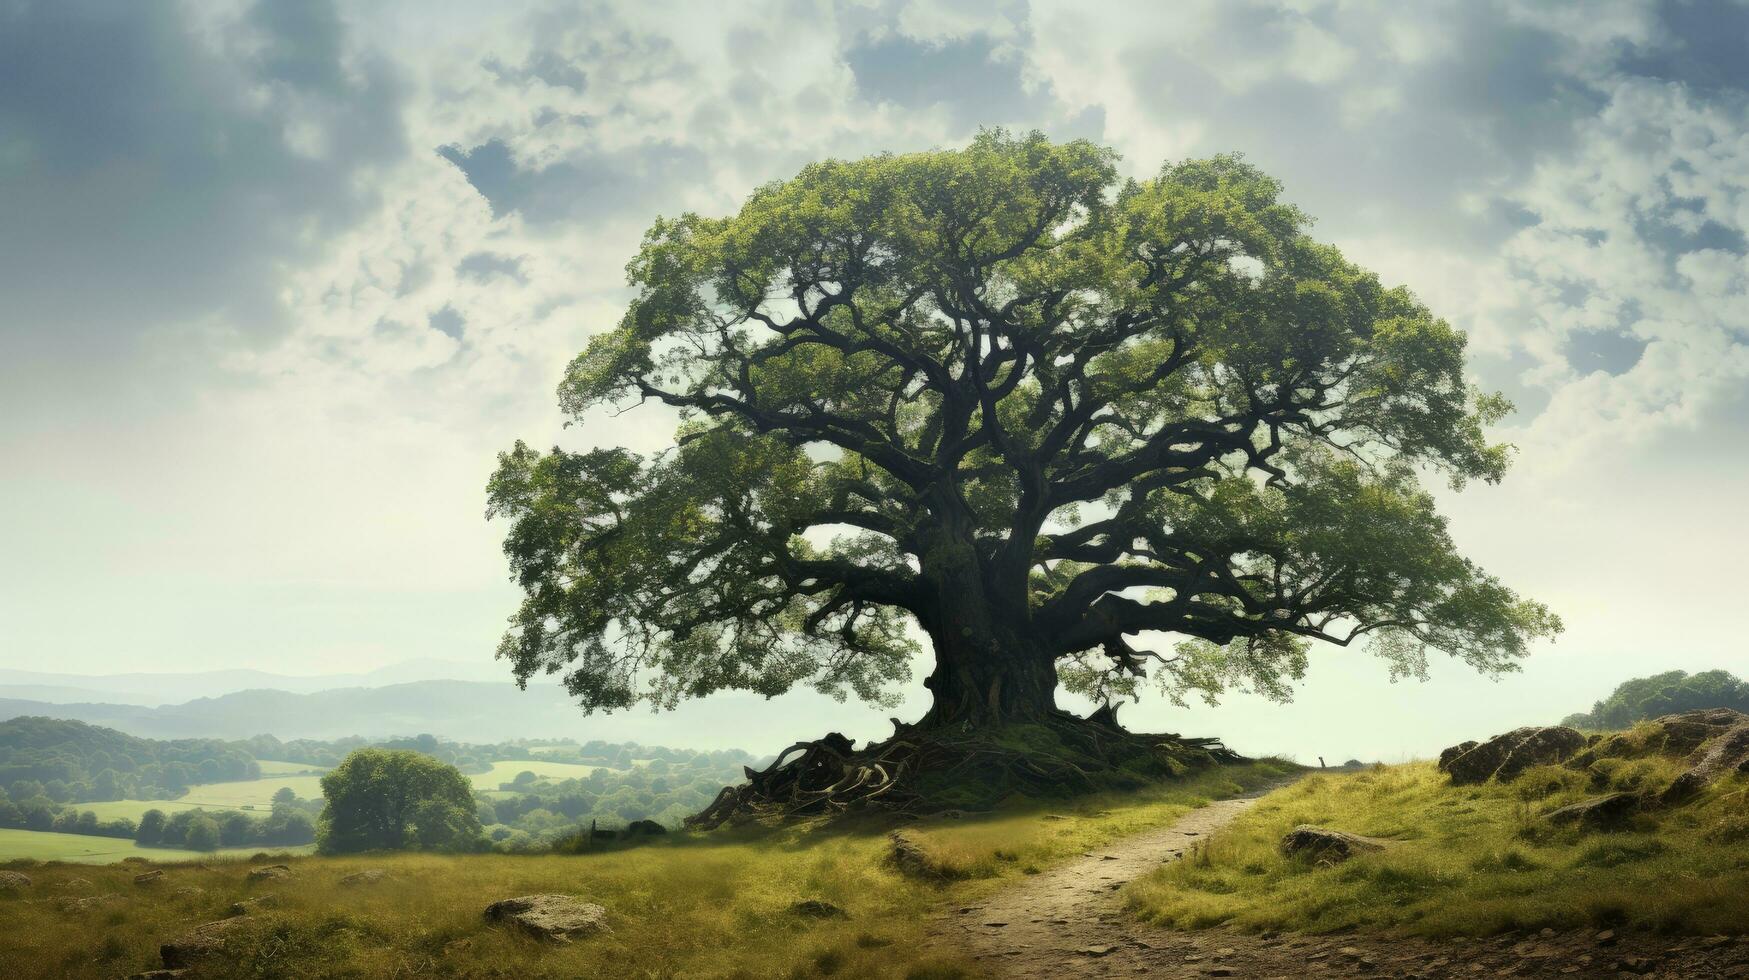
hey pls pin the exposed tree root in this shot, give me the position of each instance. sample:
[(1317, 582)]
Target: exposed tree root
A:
[(920, 771)]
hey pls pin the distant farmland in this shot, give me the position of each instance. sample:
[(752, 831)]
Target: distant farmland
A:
[(83, 849)]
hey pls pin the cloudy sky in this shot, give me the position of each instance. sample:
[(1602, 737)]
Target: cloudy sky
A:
[(280, 279)]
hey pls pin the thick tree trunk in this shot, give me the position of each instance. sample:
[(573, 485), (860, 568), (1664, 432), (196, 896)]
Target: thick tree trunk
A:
[(984, 680)]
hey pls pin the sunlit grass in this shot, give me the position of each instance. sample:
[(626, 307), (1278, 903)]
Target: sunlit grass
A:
[(1471, 860), (712, 905)]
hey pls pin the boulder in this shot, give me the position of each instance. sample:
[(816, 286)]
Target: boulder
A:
[(14, 881), (1599, 811), (814, 908), (270, 872), (149, 878), (1723, 754), (204, 943), (1503, 757), (1455, 751), (644, 828), (368, 876), (1325, 845), (555, 918)]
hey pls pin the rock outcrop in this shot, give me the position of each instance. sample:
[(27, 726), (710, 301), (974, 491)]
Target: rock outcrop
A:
[(554, 918), (1679, 734), (14, 881), (1725, 753), (270, 872), (644, 828), (1503, 757), (1327, 846)]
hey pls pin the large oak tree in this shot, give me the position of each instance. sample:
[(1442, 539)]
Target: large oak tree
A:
[(1075, 428)]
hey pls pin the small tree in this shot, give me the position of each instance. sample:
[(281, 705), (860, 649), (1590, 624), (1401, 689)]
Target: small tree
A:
[(202, 833), (390, 799), (151, 829)]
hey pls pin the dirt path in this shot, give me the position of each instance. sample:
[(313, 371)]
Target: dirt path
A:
[(1068, 923)]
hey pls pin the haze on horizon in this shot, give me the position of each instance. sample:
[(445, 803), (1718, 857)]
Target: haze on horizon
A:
[(281, 280)]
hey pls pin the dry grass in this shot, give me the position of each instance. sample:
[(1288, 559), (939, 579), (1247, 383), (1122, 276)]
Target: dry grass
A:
[(1472, 860), (696, 906)]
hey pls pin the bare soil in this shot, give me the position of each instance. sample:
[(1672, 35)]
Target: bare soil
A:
[(1068, 922)]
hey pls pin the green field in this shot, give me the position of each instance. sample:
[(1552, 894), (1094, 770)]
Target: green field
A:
[(82, 849), (270, 767), (254, 794), (504, 772)]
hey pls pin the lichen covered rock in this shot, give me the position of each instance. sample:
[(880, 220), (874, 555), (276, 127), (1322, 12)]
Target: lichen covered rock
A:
[(555, 918)]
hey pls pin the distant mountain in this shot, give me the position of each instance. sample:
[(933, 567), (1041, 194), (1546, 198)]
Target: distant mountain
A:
[(465, 711), (145, 688)]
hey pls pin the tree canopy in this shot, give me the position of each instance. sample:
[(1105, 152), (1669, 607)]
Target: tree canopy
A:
[(1072, 426), (1664, 694), (390, 799)]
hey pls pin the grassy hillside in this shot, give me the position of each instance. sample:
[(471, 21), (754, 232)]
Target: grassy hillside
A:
[(85, 849), (692, 905), (1469, 860)]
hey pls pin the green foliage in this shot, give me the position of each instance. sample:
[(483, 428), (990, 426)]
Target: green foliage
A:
[(389, 799), (88, 763), (1664, 694), (906, 380)]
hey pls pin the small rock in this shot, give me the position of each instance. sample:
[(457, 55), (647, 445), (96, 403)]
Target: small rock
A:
[(269, 872), (368, 876), (1097, 950), (1352, 952), (814, 908), (248, 905), (72, 883), (158, 975), (995, 925), (203, 943), (1605, 938), (13, 881), (1325, 844), (85, 904), (149, 878), (1599, 811), (555, 918), (908, 857)]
